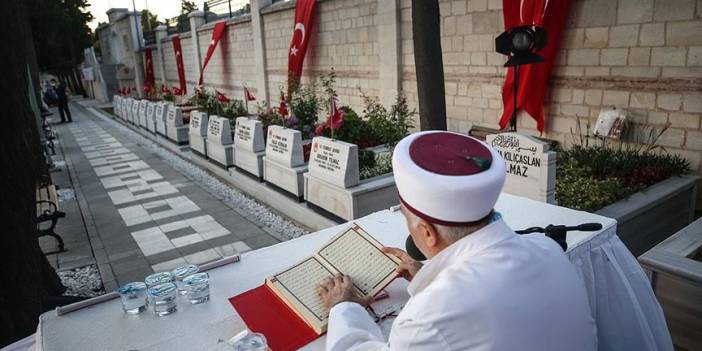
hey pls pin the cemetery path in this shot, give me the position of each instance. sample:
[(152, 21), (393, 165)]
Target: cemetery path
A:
[(141, 215)]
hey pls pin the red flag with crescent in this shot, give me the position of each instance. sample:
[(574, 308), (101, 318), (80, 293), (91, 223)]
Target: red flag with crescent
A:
[(179, 63), (248, 95), (150, 82), (283, 107), (533, 78), (304, 18), (221, 97), (217, 35)]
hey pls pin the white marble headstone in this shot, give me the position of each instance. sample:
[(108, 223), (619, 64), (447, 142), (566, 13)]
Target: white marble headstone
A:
[(198, 123), (150, 107), (158, 110), (248, 135), (219, 130), (531, 167), (335, 162), (174, 116), (135, 111), (284, 146), (142, 110)]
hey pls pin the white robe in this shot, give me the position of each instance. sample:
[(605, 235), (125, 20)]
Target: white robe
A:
[(492, 290)]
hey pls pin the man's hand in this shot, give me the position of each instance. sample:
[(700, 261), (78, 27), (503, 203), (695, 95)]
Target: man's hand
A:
[(339, 289), (408, 267)]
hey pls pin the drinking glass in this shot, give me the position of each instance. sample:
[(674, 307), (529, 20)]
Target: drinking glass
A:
[(164, 298), (133, 296), (180, 273), (198, 287), (158, 278), (250, 342)]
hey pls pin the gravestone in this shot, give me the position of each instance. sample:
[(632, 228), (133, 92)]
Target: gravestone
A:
[(134, 116), (150, 117), (284, 146), (198, 133), (142, 113), (124, 109), (116, 104), (531, 167), (335, 162), (128, 109), (176, 131), (160, 117), (333, 186), (220, 149), (284, 163), (249, 146)]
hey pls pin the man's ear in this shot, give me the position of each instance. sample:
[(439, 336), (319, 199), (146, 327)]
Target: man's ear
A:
[(429, 234)]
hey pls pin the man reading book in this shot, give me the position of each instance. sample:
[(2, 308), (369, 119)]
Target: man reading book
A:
[(483, 286)]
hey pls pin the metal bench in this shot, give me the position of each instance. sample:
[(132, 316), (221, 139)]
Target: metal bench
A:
[(48, 211)]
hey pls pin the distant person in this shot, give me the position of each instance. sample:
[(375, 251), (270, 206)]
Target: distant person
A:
[(50, 97), (62, 101)]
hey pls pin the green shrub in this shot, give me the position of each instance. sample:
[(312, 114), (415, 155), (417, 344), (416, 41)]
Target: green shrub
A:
[(589, 178)]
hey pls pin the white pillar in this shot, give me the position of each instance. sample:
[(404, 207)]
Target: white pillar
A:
[(137, 45), (197, 19), (389, 42), (260, 48), (161, 33)]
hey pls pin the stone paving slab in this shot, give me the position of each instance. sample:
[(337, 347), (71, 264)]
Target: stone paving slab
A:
[(147, 216)]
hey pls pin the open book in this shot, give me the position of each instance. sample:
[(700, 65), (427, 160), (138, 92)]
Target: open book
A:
[(353, 252)]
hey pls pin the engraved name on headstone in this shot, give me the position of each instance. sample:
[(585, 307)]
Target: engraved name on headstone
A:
[(248, 135), (531, 167), (335, 162), (175, 116), (284, 146), (219, 130), (198, 123)]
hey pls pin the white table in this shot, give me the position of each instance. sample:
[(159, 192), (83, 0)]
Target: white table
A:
[(621, 299)]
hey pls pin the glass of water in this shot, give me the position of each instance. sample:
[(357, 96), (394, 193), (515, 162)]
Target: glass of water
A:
[(248, 341), (180, 273), (158, 278), (198, 287), (164, 298), (133, 296)]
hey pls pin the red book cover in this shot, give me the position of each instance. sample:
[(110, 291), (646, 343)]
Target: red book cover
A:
[(263, 312)]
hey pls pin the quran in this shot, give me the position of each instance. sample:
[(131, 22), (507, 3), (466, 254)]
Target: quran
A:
[(287, 307)]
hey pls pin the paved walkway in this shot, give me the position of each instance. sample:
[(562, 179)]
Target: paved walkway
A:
[(140, 214)]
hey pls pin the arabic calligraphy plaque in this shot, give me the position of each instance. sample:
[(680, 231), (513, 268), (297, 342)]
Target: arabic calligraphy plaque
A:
[(530, 165)]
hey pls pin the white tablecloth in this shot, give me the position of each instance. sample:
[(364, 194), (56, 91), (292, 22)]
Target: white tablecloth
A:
[(627, 313)]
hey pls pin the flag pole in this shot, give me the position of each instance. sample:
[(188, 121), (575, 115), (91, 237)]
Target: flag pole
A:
[(246, 101), (331, 115)]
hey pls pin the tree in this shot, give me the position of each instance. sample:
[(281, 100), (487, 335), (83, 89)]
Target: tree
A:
[(428, 63), (28, 278), (186, 7), (149, 21), (61, 33)]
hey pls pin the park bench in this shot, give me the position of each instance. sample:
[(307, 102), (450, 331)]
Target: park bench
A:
[(48, 211)]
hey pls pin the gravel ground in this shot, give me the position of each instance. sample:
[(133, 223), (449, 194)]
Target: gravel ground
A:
[(284, 228), (82, 281)]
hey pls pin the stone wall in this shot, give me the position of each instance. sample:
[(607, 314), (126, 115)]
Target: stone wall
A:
[(641, 55)]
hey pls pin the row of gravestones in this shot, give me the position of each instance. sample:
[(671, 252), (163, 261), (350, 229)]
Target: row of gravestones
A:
[(331, 182), (159, 118)]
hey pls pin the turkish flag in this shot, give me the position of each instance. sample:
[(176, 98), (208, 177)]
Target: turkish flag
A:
[(221, 97), (304, 16), (248, 95), (283, 107), (217, 34), (149, 68), (533, 78), (179, 64)]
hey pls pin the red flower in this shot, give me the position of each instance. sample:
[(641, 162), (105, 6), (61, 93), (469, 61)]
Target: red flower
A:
[(320, 129), (165, 90)]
